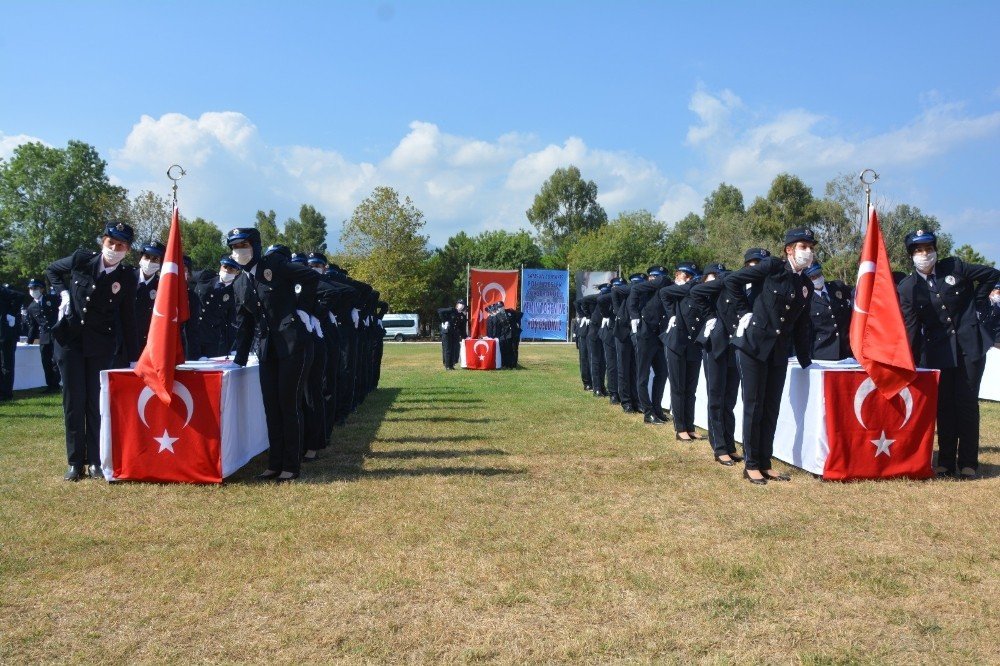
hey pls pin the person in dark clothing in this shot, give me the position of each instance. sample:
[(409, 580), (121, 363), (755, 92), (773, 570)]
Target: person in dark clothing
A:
[(42, 314), (624, 349), (10, 332), (685, 317), (645, 313), (945, 332), (595, 347), (583, 349), (829, 316), (217, 319), (454, 325), (96, 306)]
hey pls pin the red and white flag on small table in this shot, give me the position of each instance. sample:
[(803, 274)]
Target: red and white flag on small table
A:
[(878, 334), (164, 349)]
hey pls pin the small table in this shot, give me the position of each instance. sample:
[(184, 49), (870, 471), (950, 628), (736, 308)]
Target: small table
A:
[(479, 354)]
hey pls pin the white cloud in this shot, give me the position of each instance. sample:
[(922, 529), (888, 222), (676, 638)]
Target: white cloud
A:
[(714, 113), (9, 142), (175, 138), (681, 200)]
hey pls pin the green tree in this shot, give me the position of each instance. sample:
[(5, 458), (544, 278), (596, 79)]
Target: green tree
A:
[(565, 209), (970, 256), (505, 250), (838, 227), (203, 242), (728, 233), (149, 214), (52, 201), (308, 233), (789, 203), (634, 240), (900, 221), (267, 225), (383, 242)]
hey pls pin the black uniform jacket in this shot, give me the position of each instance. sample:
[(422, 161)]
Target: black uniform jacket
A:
[(642, 304), (101, 304), (779, 315), (42, 316), (831, 322), (685, 318), (943, 321)]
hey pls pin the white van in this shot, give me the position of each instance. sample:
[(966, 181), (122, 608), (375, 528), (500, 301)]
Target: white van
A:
[(399, 327)]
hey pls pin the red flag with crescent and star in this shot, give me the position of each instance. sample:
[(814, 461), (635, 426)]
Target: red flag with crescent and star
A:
[(481, 354), (878, 334), (486, 288), (164, 349), (874, 437)]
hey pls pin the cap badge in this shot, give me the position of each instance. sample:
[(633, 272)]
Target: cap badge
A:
[(116, 287), (951, 280), (268, 274)]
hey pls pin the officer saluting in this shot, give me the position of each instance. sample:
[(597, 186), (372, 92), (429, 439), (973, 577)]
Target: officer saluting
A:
[(97, 299), (939, 310), (646, 312), (680, 339), (43, 313), (830, 316), (766, 333), (266, 310)]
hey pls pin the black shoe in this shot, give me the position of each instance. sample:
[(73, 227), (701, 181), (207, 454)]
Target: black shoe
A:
[(662, 416), (309, 459), (944, 473), (756, 482), (600, 394), (652, 419), (775, 477), (735, 457), (629, 409), (615, 400), (95, 472), (268, 475), (586, 387), (727, 463), (678, 437), (74, 473), (287, 479)]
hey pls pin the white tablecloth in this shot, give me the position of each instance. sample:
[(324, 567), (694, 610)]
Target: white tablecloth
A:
[(800, 438), (243, 425), (28, 372), (990, 388)]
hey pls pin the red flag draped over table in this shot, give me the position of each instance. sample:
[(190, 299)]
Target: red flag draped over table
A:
[(486, 287), (878, 335), (481, 354), (164, 348)]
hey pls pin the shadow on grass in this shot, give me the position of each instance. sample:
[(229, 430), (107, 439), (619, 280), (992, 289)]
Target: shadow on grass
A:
[(344, 473), (428, 440), (25, 416), (407, 454), (439, 419), (448, 401)]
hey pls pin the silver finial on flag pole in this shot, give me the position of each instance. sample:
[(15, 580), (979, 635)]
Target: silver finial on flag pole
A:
[(867, 178), (175, 173)]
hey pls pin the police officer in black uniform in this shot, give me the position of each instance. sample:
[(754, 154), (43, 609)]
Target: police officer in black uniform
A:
[(685, 318), (595, 346), (42, 315), (97, 304), (777, 323), (266, 310), (216, 321), (719, 357), (624, 349), (829, 316), (190, 337), (147, 281), (10, 331), (582, 347), (605, 303), (645, 311), (454, 324), (939, 310)]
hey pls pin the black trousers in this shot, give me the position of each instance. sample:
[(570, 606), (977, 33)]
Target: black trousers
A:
[(650, 357), (763, 382), (349, 366), (49, 365), (598, 369), (313, 404), (282, 384), (723, 380), (82, 403), (332, 340), (611, 363), (625, 354), (683, 374), (958, 414), (584, 350), (7, 349)]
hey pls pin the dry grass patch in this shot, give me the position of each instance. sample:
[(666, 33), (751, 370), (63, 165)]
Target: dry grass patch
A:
[(492, 517)]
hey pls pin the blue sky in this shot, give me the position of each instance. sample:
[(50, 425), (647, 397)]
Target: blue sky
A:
[(469, 107)]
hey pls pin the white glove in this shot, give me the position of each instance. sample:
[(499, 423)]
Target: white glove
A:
[(63, 303), (671, 323), (605, 322), (333, 320), (368, 321), (10, 320), (306, 319), (355, 316), (316, 327), (710, 326), (635, 325), (744, 322), (444, 326)]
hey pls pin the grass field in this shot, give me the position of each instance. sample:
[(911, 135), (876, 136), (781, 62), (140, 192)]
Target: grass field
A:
[(501, 517)]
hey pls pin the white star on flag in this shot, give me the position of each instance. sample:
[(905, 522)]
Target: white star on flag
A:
[(482, 358), (882, 445), (166, 442)]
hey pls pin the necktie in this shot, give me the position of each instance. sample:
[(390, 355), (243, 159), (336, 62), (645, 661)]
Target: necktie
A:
[(825, 295), (931, 282)]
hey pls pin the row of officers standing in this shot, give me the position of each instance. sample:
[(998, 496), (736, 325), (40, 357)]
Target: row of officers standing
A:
[(316, 333), (744, 325)]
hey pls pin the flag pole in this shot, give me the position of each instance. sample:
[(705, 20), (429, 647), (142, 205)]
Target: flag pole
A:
[(867, 178), (175, 173)]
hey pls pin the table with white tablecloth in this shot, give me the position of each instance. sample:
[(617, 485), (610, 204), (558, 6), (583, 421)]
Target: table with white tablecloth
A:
[(236, 433), (28, 372), (990, 388)]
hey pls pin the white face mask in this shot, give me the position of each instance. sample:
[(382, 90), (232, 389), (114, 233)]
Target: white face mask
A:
[(803, 258), (226, 278), (111, 257), (819, 283), (679, 281), (925, 262), (320, 270), (148, 267), (995, 299), (242, 255), (710, 277), (35, 293), (459, 307)]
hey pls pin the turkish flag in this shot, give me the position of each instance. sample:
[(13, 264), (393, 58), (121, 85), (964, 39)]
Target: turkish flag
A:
[(486, 288), (481, 354), (164, 348), (874, 437), (878, 335), (176, 441)]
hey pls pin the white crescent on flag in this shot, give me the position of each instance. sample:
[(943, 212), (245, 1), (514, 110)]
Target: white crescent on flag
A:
[(865, 268)]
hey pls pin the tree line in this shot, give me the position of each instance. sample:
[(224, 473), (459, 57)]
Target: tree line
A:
[(54, 200)]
